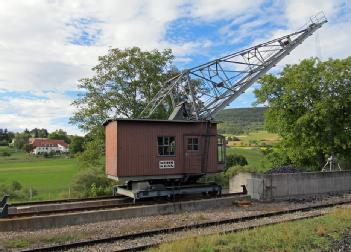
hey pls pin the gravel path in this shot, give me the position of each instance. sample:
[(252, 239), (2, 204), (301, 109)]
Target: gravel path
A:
[(113, 228)]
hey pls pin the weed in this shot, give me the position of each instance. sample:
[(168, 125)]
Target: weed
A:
[(17, 243), (305, 235)]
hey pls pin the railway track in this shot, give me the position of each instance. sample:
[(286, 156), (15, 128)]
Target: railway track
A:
[(65, 207), (129, 238), (48, 202), (42, 208)]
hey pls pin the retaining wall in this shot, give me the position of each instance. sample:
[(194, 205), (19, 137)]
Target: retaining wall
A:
[(268, 187)]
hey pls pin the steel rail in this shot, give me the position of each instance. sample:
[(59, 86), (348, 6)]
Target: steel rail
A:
[(113, 205), (47, 202), (68, 210), (179, 229)]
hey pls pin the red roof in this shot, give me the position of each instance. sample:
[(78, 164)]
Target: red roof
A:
[(40, 142)]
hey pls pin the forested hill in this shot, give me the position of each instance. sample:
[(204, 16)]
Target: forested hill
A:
[(240, 120)]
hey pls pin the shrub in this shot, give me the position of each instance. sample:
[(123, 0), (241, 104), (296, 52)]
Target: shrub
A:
[(234, 159), (91, 182), (16, 186), (5, 154), (17, 192)]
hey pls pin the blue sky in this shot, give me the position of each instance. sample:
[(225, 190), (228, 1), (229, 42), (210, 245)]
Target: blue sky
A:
[(47, 46)]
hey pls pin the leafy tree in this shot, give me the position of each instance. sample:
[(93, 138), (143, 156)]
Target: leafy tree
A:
[(60, 135), (310, 107), (77, 144), (41, 133), (6, 136), (21, 140), (123, 83)]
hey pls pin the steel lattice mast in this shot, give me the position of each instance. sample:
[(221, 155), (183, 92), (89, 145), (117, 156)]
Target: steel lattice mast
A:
[(206, 89)]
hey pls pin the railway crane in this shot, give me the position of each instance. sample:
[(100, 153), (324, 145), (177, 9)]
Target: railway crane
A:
[(167, 157)]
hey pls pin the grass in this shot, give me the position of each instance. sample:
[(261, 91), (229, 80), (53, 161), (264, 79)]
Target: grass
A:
[(254, 157), (51, 177), (24, 241), (305, 235)]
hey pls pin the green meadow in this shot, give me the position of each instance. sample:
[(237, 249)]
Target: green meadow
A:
[(50, 177), (253, 155)]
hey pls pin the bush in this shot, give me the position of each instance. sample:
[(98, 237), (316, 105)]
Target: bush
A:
[(234, 159), (16, 186), (5, 154), (17, 192), (91, 182)]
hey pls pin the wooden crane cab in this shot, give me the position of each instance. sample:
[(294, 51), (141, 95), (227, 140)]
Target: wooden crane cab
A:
[(162, 157)]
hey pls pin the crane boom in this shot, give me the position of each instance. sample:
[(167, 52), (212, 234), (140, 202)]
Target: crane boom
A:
[(202, 91)]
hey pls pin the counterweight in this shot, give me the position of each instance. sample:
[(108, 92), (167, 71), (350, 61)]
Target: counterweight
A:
[(201, 92)]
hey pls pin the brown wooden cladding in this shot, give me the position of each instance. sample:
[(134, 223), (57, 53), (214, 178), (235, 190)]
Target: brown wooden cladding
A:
[(111, 149), (132, 148)]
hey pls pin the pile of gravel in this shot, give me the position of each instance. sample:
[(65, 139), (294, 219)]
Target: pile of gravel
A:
[(284, 169)]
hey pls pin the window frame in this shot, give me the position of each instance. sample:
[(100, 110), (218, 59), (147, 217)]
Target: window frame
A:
[(221, 147), (166, 146), (192, 144)]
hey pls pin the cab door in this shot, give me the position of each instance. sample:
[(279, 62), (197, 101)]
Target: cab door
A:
[(193, 148)]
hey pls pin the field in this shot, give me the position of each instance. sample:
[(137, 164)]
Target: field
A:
[(318, 234), (50, 177), (259, 138), (253, 155)]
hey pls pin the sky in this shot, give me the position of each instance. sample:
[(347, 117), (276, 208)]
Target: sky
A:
[(47, 46)]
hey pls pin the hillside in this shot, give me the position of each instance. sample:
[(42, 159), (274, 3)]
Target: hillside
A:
[(240, 120)]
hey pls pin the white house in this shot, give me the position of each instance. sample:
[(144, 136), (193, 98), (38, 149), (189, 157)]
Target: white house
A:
[(44, 145)]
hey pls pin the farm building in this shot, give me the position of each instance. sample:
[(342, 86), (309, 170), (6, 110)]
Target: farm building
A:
[(144, 149), (45, 145)]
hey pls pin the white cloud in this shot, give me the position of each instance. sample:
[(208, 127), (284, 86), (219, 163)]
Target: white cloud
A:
[(221, 9), (36, 113), (37, 53), (299, 11), (330, 41)]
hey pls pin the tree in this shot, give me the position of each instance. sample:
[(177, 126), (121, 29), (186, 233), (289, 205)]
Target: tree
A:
[(5, 137), (77, 144), (310, 108), (124, 82), (21, 140), (41, 133), (60, 135)]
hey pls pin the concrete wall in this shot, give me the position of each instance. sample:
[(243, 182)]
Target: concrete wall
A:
[(60, 220), (297, 185)]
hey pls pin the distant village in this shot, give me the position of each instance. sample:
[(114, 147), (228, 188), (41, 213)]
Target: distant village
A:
[(41, 142), (45, 145)]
